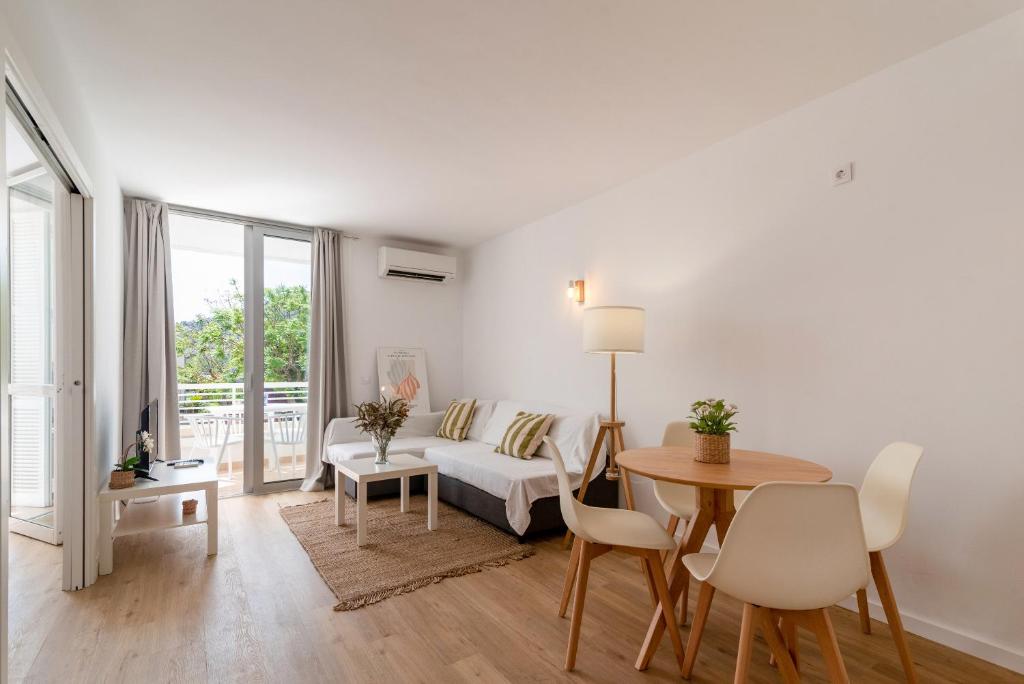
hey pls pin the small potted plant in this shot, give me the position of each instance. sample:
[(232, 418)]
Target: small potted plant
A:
[(123, 475), (711, 421), (381, 420)]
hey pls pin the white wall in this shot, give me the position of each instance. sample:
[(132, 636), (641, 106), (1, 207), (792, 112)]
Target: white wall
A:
[(383, 312), (838, 318), (39, 56)]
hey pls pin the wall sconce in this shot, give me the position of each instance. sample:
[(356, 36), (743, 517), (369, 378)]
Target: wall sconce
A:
[(575, 291)]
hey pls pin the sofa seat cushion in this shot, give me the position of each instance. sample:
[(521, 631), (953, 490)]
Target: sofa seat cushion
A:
[(335, 453), (519, 482)]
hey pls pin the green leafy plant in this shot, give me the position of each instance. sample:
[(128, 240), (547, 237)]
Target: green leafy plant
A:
[(712, 417), (381, 419), (143, 441)]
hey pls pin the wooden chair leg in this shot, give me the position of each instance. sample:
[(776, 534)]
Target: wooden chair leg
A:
[(821, 623), (661, 587), (892, 614), (684, 601), (787, 668), (771, 656), (649, 580), (577, 608), (746, 644), (788, 628), (700, 618), (673, 527), (862, 610), (570, 576)]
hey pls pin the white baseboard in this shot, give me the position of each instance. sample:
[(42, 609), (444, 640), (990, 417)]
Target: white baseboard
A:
[(947, 636)]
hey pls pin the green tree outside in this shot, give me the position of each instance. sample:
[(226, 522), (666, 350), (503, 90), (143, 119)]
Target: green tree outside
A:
[(211, 346)]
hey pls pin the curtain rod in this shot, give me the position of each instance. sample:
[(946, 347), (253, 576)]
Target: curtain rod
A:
[(235, 218)]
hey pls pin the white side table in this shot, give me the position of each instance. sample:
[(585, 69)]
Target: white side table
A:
[(363, 470), (162, 514)]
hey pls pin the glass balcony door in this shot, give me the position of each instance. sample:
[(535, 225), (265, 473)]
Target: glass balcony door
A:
[(209, 285), (241, 307), (280, 277)]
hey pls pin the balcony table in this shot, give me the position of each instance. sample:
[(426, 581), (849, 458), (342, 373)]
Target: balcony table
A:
[(715, 483)]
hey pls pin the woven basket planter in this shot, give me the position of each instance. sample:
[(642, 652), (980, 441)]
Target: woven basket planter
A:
[(711, 448), (188, 506), (122, 479)]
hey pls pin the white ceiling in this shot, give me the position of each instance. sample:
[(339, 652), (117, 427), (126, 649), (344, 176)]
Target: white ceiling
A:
[(454, 120)]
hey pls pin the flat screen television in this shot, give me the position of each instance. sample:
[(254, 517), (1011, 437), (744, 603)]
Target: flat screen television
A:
[(149, 421)]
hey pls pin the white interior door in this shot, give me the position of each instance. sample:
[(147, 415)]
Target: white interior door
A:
[(43, 324)]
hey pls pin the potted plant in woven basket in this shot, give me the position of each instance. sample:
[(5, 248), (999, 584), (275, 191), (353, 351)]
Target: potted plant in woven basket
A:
[(123, 475), (381, 420), (711, 421)]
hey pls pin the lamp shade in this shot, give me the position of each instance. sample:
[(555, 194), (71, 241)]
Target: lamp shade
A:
[(613, 329)]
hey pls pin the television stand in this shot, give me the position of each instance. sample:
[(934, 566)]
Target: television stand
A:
[(174, 486)]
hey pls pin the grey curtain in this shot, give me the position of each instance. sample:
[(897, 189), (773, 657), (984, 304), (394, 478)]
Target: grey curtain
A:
[(149, 369), (328, 388)]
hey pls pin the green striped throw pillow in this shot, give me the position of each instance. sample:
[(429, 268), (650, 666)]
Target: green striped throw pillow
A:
[(523, 436), (457, 418)]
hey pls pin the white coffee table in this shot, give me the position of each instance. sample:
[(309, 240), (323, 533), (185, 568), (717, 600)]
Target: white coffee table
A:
[(363, 470), (163, 513)]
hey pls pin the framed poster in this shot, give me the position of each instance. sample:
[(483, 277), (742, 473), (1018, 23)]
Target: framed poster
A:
[(402, 372)]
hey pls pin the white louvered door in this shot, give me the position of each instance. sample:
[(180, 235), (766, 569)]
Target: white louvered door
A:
[(37, 210)]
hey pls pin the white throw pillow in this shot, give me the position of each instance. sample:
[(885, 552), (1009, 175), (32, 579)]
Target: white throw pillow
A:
[(484, 409)]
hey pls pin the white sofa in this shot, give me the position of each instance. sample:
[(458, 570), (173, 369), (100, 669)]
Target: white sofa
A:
[(515, 494)]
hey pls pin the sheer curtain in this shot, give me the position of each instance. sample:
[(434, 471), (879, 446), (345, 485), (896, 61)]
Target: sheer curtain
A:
[(328, 389), (149, 368)]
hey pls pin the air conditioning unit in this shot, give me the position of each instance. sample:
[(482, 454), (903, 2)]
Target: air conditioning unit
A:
[(411, 265)]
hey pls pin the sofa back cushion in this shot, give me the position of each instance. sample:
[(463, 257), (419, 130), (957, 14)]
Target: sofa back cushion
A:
[(484, 409), (573, 432)]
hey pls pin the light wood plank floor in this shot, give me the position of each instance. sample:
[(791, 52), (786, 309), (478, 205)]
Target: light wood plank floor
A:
[(259, 612)]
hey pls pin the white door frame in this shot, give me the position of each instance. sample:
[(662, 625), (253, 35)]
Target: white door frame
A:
[(78, 498)]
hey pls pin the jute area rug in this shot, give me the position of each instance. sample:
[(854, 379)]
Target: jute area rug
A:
[(401, 554)]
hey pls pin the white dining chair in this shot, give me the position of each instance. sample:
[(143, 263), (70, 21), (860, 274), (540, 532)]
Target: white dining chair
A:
[(598, 531), (792, 550), (884, 506), (286, 429), (213, 434), (678, 499), (681, 500)]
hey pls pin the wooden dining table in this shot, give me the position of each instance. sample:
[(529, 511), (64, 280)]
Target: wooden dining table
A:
[(715, 483)]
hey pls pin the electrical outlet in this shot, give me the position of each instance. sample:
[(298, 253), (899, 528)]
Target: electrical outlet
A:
[(842, 174)]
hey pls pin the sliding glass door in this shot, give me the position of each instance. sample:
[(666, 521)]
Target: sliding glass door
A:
[(208, 282), (280, 260), (241, 302)]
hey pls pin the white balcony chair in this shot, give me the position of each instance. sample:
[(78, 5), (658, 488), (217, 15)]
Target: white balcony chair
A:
[(884, 505), (288, 429), (793, 550), (214, 433), (598, 531)]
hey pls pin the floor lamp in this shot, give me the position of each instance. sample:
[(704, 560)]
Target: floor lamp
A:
[(610, 330)]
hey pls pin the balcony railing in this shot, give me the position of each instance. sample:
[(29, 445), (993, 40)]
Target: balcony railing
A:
[(196, 398)]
